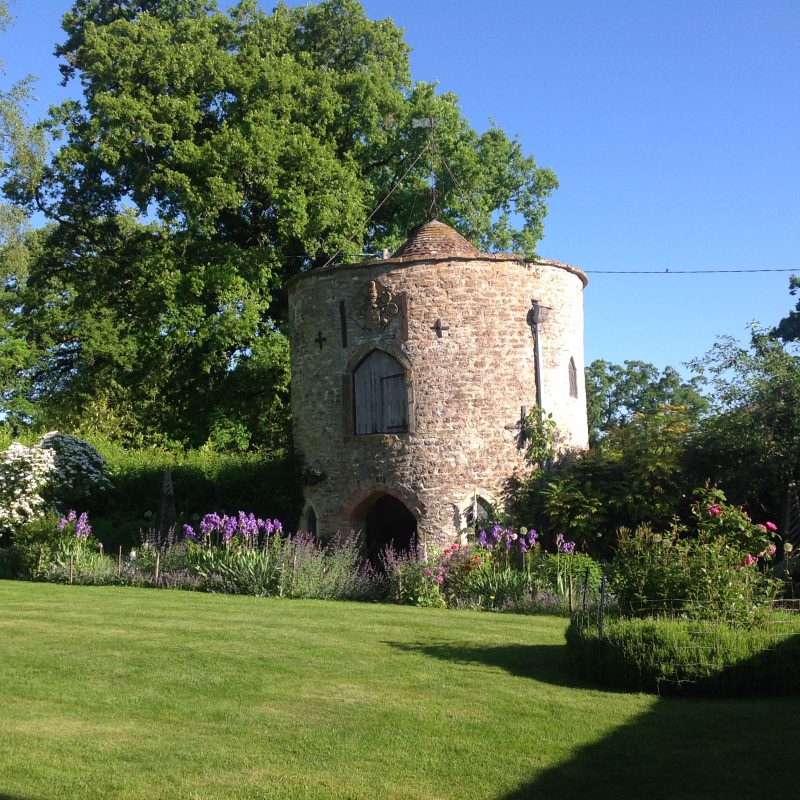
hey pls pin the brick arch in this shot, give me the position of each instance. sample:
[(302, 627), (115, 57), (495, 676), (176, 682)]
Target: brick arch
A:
[(360, 500)]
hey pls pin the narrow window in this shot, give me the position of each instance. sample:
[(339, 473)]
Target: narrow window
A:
[(381, 396), (478, 513), (573, 378)]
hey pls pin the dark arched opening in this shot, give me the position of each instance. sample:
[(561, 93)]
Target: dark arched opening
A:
[(311, 521), (389, 523)]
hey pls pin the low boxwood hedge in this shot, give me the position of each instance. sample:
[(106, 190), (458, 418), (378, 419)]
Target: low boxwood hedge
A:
[(690, 657)]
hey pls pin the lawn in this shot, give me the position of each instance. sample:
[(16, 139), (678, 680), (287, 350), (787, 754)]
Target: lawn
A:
[(133, 693)]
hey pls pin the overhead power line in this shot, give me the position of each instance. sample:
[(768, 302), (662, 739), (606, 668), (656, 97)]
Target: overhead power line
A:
[(669, 271)]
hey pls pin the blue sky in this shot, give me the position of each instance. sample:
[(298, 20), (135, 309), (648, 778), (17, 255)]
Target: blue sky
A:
[(673, 127)]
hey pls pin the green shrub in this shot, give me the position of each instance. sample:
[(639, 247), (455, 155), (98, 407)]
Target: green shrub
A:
[(88, 567), (411, 579), (285, 566), (10, 565), (555, 570), (267, 483), (496, 586), (721, 571), (243, 571), (35, 546), (650, 570), (690, 656)]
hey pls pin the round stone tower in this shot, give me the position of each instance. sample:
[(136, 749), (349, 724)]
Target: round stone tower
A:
[(410, 377)]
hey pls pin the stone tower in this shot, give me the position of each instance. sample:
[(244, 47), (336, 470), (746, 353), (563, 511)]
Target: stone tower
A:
[(410, 376)]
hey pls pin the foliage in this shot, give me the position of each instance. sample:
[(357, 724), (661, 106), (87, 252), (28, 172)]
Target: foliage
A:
[(616, 393), (504, 570), (22, 149), (235, 555), (676, 656), (269, 483), (211, 156), (24, 472), (788, 329), (58, 471), (412, 579), (751, 445), (719, 573), (33, 548), (636, 475), (79, 473), (255, 558), (642, 472), (45, 548), (560, 570), (539, 435)]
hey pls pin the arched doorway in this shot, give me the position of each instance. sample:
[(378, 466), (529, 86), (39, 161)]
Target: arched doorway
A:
[(389, 522)]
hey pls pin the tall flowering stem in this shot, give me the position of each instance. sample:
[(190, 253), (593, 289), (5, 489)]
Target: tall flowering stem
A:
[(76, 526), (564, 549), (243, 530)]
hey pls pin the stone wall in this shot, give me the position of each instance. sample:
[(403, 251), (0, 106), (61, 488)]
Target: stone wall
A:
[(467, 381)]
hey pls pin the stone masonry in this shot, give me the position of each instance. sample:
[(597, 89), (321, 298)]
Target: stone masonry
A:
[(455, 321)]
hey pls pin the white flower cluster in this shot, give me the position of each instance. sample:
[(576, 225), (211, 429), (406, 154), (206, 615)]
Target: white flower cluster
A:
[(80, 470), (24, 471), (60, 469)]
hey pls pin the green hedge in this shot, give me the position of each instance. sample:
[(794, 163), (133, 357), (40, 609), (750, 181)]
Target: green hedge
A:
[(267, 484), (671, 656)]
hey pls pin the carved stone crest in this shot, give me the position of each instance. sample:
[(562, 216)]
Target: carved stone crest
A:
[(375, 307)]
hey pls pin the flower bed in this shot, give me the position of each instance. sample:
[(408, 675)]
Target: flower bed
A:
[(505, 570)]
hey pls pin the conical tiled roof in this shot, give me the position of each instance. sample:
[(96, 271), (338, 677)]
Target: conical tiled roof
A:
[(434, 239)]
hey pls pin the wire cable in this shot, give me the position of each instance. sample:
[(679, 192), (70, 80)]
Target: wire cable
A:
[(669, 271), (378, 207)]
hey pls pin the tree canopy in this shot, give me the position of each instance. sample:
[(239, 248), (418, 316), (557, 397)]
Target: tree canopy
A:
[(615, 393), (751, 443), (210, 156), (788, 329)]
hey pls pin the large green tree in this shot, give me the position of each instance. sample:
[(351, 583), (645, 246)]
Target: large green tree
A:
[(615, 393), (750, 445), (211, 156), (22, 150)]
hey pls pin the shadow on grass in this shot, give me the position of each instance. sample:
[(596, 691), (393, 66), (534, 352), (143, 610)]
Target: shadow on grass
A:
[(681, 749), (541, 662)]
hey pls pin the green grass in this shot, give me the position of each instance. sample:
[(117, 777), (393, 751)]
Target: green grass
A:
[(131, 693)]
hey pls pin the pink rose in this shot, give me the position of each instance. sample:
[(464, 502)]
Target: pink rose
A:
[(771, 526), (749, 560), (715, 510), (772, 549)]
